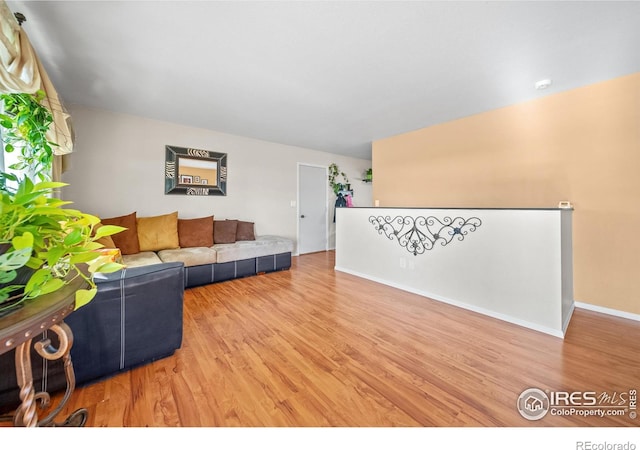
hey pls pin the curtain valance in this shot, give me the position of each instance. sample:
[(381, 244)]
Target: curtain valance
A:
[(22, 72)]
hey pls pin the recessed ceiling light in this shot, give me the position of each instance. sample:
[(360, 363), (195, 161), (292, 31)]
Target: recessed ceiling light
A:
[(543, 84)]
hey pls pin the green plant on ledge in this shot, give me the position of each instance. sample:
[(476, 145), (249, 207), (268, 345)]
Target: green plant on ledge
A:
[(43, 246), (334, 173)]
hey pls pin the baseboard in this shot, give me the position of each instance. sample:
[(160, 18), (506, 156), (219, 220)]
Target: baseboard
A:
[(477, 309), (565, 323), (609, 311)]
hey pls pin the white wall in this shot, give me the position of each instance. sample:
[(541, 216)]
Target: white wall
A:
[(118, 167)]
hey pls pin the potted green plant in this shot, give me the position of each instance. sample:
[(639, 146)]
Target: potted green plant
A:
[(334, 173), (43, 244), (56, 243)]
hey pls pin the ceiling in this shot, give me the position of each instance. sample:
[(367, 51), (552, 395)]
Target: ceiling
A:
[(330, 76)]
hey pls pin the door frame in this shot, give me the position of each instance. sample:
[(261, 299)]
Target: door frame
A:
[(326, 205)]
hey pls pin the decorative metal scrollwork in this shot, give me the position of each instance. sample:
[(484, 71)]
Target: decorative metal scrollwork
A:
[(419, 234)]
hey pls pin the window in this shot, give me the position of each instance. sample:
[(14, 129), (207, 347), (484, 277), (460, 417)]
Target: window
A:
[(7, 160)]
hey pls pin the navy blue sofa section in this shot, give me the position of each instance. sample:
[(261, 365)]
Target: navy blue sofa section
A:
[(214, 273), (135, 318)]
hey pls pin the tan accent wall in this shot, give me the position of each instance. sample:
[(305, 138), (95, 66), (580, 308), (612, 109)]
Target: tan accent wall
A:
[(581, 145)]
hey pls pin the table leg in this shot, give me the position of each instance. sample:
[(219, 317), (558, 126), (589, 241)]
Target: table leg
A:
[(47, 351), (26, 413)]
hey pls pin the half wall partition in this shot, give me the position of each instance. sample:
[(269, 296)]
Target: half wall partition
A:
[(512, 264)]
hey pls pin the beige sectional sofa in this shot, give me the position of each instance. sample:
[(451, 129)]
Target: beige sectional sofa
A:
[(211, 250)]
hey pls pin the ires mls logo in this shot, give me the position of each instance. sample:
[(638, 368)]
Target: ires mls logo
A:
[(534, 403)]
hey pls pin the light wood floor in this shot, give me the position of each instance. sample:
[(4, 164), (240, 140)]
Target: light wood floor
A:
[(314, 347)]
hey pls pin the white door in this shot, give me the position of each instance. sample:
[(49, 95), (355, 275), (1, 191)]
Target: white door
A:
[(312, 208)]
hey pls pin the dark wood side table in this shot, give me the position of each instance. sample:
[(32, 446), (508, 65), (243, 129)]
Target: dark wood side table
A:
[(18, 329)]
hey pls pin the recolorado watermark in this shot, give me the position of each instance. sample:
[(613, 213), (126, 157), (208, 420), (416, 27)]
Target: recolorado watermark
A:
[(588, 445), (535, 404)]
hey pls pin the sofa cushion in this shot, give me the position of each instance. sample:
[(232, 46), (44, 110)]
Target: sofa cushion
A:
[(224, 231), (262, 246), (127, 240), (141, 259), (195, 232), (158, 232), (190, 256), (245, 231)]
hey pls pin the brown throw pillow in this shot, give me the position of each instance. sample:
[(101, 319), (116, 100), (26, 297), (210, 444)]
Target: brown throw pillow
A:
[(195, 232), (224, 231), (127, 240), (158, 232), (245, 231)]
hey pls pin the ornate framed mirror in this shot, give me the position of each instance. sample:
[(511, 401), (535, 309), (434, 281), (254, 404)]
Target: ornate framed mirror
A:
[(191, 171)]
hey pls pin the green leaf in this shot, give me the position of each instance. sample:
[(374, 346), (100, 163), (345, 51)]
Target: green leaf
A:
[(95, 264), (26, 198), (48, 185), (6, 277), (93, 246), (9, 176), (21, 118), (77, 250), (53, 255), (51, 285), (14, 259), (72, 212), (6, 123), (22, 242), (4, 294), (35, 263), (108, 230), (84, 223), (24, 188), (84, 296), (84, 257), (93, 220), (37, 279), (73, 238), (56, 202), (109, 267), (50, 210)]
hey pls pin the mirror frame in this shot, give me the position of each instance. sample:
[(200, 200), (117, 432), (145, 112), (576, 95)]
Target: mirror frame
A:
[(172, 162)]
